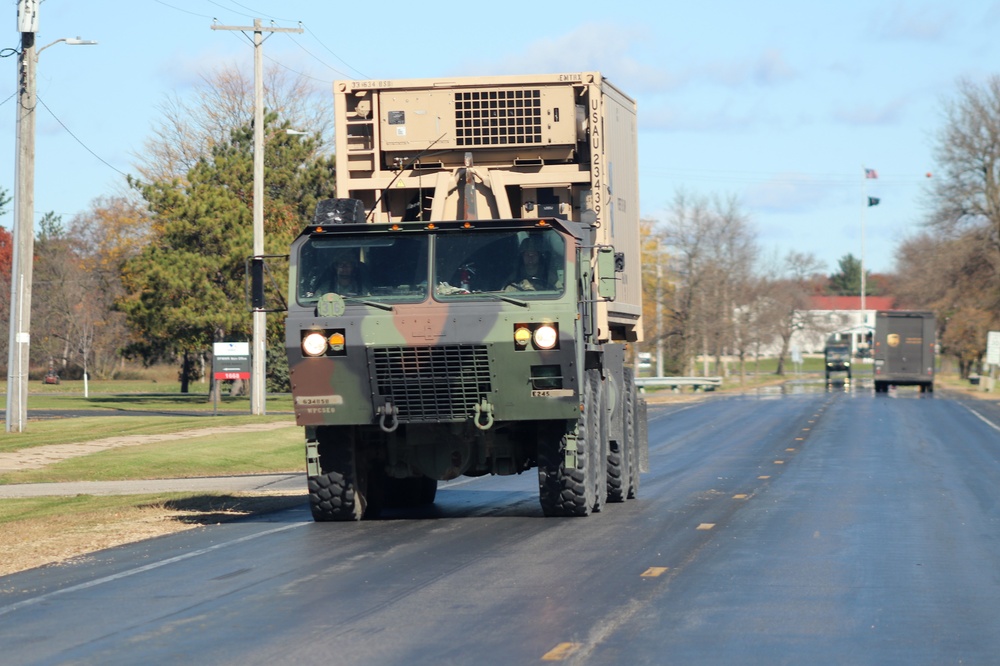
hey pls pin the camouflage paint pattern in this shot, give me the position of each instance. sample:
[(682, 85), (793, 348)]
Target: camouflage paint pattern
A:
[(344, 389)]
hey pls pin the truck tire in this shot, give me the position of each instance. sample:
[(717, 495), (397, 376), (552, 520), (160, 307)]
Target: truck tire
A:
[(346, 489), (601, 443), (619, 453), (631, 434), (570, 491)]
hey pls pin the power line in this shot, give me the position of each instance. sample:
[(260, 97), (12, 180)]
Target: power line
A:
[(349, 66), (310, 54), (184, 10), (254, 12), (75, 137)]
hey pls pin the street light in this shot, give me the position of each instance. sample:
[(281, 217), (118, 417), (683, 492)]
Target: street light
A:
[(24, 212), (71, 41)]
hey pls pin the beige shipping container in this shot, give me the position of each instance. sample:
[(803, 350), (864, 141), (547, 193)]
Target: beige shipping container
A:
[(561, 145)]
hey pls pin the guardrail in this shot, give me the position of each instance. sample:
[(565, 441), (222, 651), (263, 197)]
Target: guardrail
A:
[(698, 383)]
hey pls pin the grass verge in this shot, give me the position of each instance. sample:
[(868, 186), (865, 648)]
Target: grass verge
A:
[(90, 428), (46, 530), (212, 454)]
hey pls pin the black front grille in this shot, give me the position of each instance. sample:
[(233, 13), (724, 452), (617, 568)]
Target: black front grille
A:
[(498, 117), (431, 384)]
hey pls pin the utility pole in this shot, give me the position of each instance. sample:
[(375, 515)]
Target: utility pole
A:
[(659, 309), (22, 255), (258, 345), (24, 227)]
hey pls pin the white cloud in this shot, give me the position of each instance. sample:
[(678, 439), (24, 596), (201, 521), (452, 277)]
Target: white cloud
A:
[(786, 193), (923, 23), (868, 114)]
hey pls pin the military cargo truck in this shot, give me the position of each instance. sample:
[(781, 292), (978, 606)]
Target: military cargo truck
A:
[(837, 357), (903, 350), (465, 306)]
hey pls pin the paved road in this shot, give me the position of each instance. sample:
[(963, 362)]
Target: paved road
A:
[(816, 527)]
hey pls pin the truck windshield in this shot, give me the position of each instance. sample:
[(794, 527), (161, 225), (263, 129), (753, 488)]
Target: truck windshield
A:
[(522, 264), (383, 268)]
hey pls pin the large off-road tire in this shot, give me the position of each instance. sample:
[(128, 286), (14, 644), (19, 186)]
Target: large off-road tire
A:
[(571, 491), (346, 488), (599, 442), (631, 434)]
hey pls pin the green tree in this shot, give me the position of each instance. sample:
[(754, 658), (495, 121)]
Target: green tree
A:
[(847, 281), (186, 289)]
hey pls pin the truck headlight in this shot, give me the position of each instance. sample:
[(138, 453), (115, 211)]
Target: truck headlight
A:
[(546, 336), (314, 344)]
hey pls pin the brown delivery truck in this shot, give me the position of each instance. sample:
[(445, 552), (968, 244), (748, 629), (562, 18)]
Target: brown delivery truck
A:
[(904, 349)]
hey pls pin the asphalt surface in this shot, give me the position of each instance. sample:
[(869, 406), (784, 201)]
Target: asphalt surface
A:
[(805, 527)]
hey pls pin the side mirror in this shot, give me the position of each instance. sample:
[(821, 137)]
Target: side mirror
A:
[(256, 283), (607, 283), (263, 292)]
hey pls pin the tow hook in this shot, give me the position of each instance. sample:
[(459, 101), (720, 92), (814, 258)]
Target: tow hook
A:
[(483, 408), (388, 421)]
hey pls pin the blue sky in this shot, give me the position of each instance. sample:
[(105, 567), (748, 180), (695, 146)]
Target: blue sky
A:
[(779, 103)]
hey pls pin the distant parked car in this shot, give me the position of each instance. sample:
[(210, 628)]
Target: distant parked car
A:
[(50, 377)]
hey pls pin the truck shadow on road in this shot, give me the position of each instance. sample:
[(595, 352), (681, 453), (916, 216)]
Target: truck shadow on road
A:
[(464, 503)]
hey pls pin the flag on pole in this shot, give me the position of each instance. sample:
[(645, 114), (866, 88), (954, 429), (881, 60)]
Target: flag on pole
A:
[(871, 173), (873, 201)]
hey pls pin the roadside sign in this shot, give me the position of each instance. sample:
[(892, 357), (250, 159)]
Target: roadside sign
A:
[(993, 347), (231, 360)]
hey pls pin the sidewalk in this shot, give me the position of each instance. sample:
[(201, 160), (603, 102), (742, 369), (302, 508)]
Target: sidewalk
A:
[(40, 456), (283, 484)]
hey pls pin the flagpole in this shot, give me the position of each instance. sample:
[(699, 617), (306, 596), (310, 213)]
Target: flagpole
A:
[(864, 205)]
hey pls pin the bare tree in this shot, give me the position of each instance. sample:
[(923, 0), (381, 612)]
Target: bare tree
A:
[(712, 254), (967, 193), (954, 268), (789, 294), (222, 103)]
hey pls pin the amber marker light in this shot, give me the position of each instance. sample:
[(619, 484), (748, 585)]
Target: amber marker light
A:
[(521, 336), (314, 344), (336, 342)]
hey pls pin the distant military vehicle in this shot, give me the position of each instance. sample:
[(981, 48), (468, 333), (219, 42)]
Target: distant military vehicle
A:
[(465, 306), (837, 358), (904, 349)]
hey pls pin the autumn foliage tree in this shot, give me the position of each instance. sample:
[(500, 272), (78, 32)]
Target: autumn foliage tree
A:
[(953, 265)]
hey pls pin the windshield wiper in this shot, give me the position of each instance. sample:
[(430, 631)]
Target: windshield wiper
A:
[(375, 304), (502, 297)]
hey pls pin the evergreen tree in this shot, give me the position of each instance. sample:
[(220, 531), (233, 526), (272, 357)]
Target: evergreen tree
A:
[(186, 289), (847, 282)]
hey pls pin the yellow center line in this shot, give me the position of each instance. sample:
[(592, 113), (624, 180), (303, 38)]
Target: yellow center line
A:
[(740, 496), (706, 526), (653, 572), (779, 462), (765, 476), (561, 651)]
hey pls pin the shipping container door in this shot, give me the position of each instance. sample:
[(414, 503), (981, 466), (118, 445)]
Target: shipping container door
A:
[(905, 345)]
